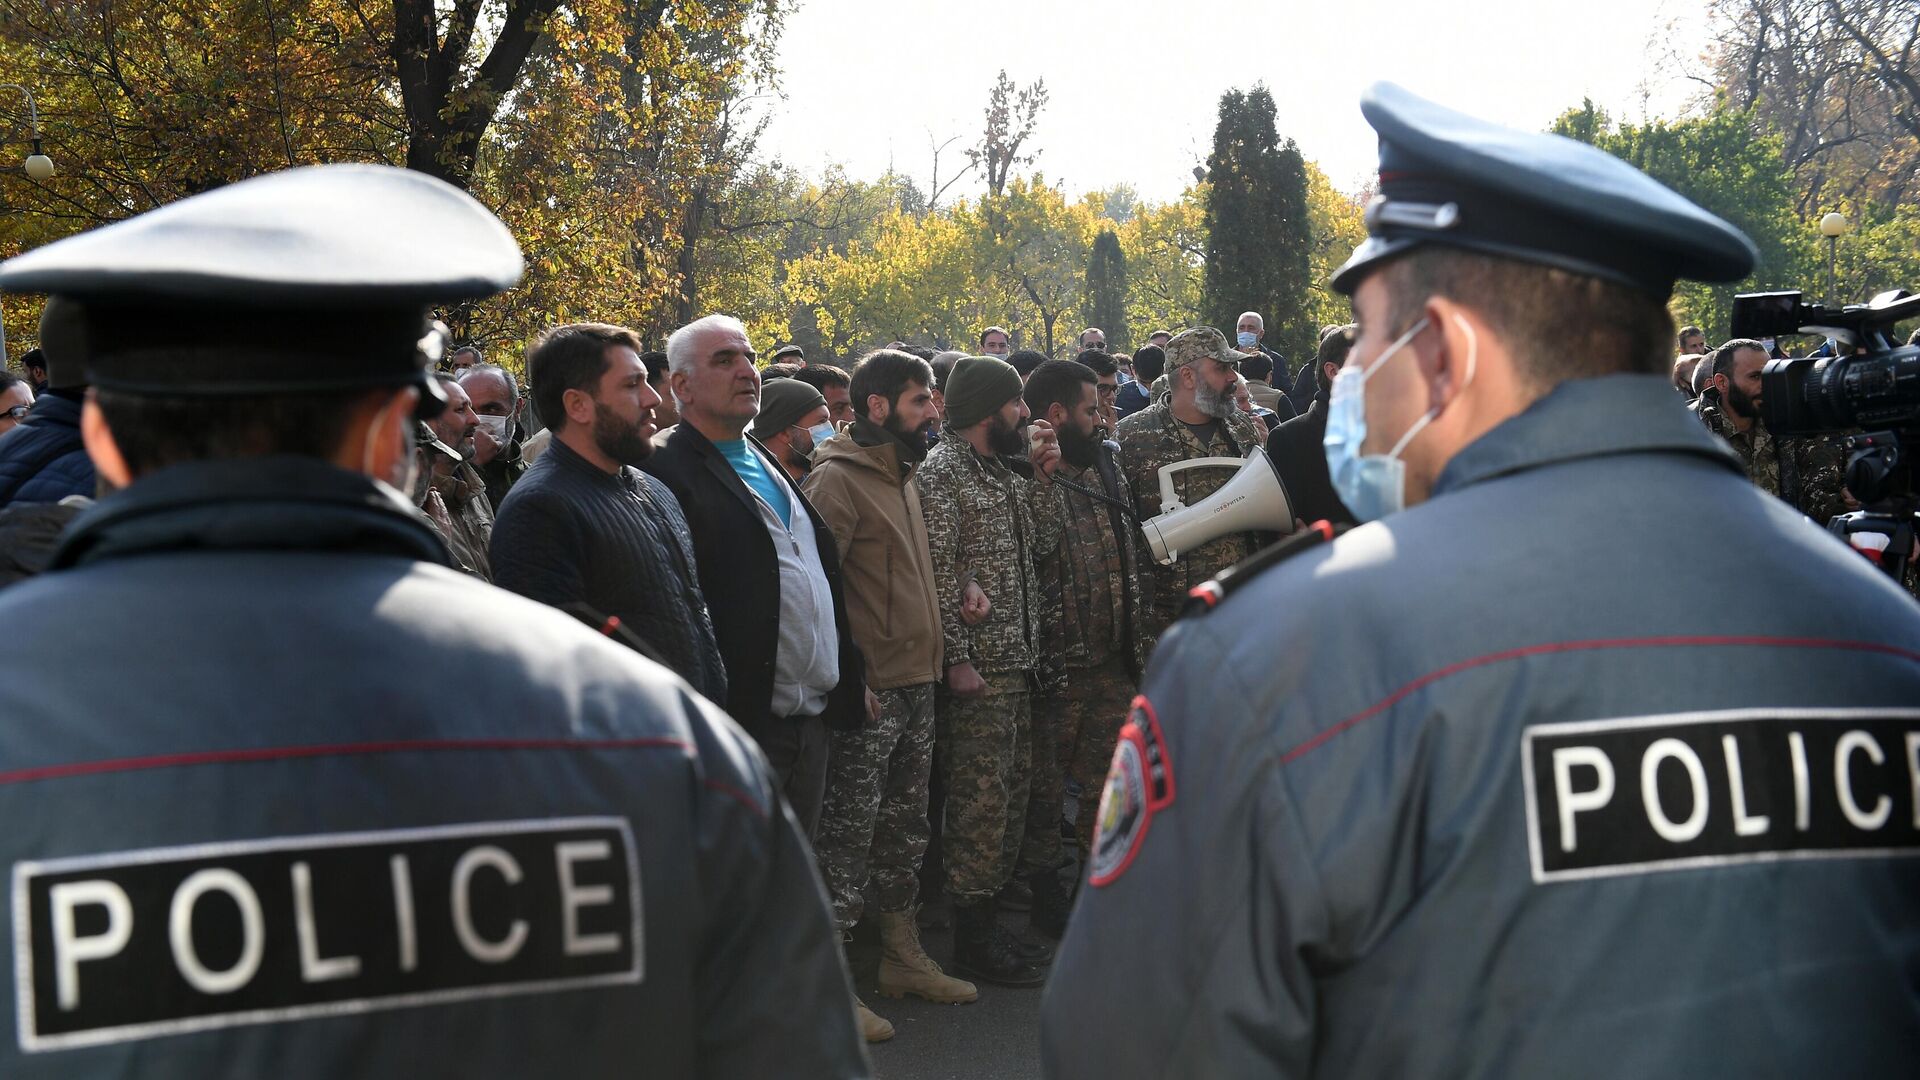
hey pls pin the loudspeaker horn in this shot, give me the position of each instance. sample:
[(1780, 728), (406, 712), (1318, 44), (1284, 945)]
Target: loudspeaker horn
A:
[(1253, 501)]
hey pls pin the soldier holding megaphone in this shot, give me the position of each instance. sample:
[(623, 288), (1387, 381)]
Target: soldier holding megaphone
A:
[(1196, 429)]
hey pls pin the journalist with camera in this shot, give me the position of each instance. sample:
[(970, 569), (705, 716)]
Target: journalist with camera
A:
[(1871, 396)]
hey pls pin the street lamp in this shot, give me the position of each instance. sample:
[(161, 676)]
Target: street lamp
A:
[(1831, 227), (38, 166)]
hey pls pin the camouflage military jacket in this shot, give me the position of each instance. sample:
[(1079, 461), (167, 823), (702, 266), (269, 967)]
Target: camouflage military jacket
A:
[(1822, 470), (987, 521), (1154, 437), (1100, 579)]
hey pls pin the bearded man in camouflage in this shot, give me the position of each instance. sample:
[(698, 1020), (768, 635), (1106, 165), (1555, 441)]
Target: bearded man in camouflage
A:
[(1197, 420), (987, 516), (1098, 570), (1736, 418)]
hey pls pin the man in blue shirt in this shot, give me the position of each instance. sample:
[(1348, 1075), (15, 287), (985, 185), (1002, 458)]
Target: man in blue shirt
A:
[(766, 562)]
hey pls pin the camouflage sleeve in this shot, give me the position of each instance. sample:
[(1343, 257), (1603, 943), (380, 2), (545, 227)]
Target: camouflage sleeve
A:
[(941, 510), (1051, 668), (1822, 480), (1137, 477), (1043, 501)]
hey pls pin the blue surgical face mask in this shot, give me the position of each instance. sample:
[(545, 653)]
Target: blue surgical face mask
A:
[(821, 433), (1375, 485), (1248, 339)]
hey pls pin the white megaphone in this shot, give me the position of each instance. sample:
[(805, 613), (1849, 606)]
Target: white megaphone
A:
[(1253, 501)]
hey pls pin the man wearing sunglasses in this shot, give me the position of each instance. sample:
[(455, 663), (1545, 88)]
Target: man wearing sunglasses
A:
[(16, 397), (42, 459)]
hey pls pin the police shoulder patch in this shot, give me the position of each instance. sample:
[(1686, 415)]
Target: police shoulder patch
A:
[(1139, 785)]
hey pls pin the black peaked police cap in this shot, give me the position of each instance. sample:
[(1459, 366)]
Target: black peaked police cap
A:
[(308, 280), (1448, 178)]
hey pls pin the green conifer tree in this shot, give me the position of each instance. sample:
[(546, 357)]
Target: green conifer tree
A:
[(1107, 290), (1258, 236)]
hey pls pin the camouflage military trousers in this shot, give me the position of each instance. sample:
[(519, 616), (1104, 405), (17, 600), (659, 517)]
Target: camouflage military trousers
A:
[(1098, 699), (1040, 849), (982, 751), (874, 823)]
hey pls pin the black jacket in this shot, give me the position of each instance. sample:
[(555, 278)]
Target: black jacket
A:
[(740, 575), (1296, 453), (272, 654), (1305, 386), (42, 460), (569, 533)]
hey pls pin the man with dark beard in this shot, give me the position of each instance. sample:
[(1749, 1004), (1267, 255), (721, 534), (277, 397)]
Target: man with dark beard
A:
[(988, 515), (873, 827), (1817, 467), (1097, 568), (1196, 419), (583, 526)]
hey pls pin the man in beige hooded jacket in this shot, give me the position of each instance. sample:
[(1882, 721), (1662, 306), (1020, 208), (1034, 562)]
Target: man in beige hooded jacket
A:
[(875, 818)]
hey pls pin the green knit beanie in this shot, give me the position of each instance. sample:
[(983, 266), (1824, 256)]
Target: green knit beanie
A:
[(977, 387)]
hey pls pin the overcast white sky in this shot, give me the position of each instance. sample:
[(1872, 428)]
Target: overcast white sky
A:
[(1135, 85)]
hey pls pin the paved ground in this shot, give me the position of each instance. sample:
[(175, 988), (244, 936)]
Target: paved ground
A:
[(997, 1036)]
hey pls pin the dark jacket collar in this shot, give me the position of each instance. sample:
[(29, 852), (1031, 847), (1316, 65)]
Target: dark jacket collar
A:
[(55, 408), (905, 455), (566, 457), (696, 442), (282, 503), (1582, 418)]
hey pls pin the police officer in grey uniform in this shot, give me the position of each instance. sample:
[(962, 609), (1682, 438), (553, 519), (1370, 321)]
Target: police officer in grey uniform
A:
[(286, 796), (1492, 786)]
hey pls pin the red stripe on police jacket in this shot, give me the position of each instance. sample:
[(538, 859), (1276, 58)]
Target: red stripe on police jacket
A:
[(1431, 677)]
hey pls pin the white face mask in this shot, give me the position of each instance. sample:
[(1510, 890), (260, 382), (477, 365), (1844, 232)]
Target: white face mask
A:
[(496, 429)]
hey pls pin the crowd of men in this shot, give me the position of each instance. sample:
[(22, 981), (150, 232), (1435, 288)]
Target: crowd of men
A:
[(917, 585), (917, 581)]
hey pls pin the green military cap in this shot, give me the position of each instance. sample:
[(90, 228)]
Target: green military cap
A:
[(1200, 343)]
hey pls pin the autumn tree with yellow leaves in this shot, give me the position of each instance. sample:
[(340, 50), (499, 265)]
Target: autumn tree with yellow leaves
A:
[(617, 139), (595, 129)]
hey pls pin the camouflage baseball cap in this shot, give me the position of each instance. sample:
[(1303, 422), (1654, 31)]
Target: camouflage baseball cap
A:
[(425, 439), (1198, 344)]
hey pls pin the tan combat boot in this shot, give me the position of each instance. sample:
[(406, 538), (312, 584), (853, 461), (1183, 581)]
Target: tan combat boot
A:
[(873, 1027), (905, 967)]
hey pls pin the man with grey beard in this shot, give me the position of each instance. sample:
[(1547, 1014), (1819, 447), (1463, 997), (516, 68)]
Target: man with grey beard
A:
[(1198, 419)]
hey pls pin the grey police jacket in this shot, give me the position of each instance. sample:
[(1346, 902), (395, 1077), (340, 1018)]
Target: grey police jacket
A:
[(282, 798), (1599, 763)]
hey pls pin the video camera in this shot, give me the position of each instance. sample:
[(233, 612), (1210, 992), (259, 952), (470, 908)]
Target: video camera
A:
[(1878, 388), (1872, 383)]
